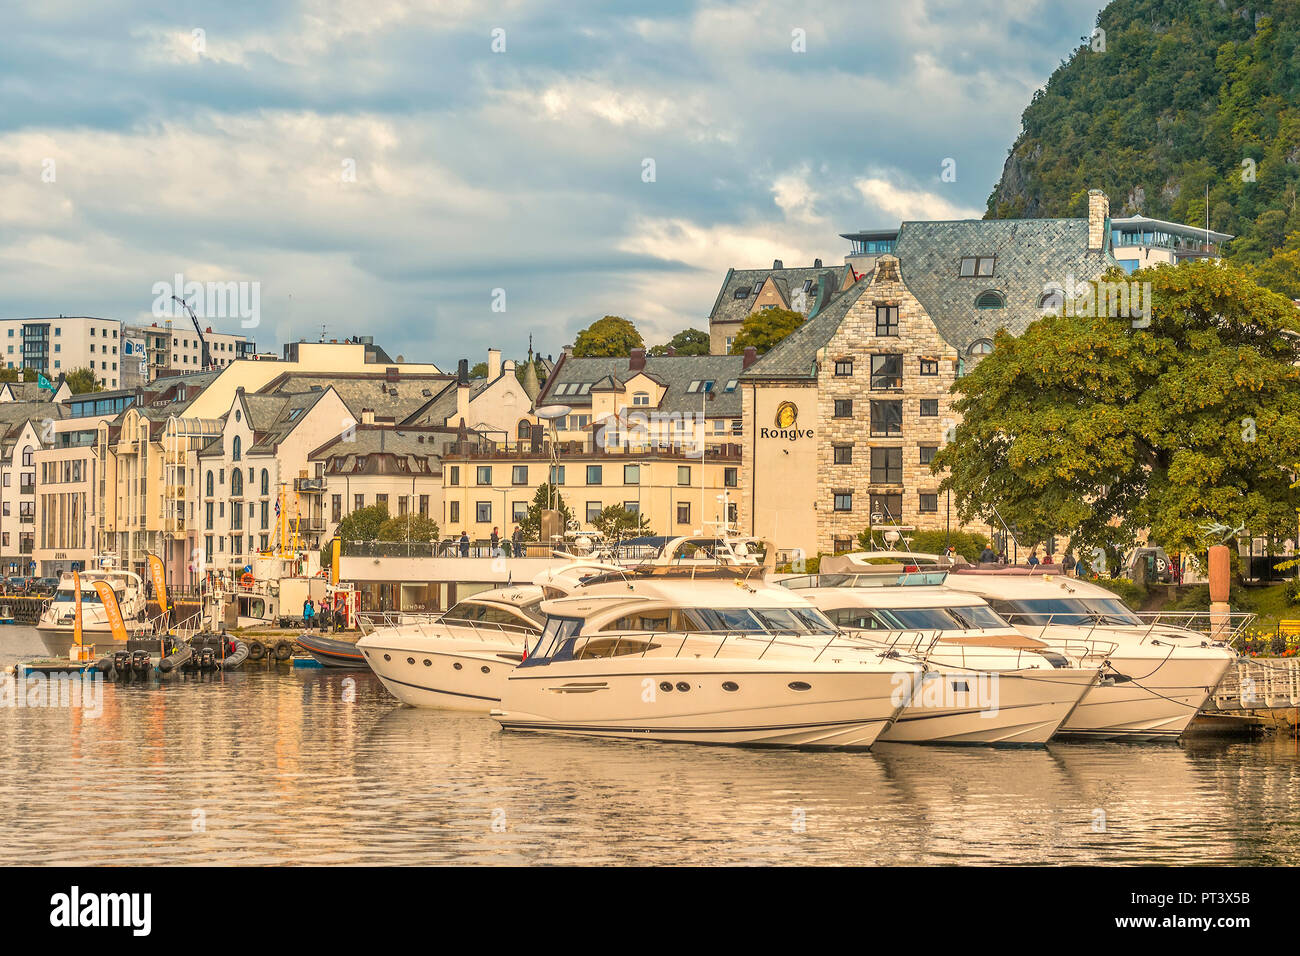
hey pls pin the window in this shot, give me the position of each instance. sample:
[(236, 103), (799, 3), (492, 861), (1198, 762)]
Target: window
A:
[(594, 509), (841, 543), (990, 300), (594, 474), (336, 509), (843, 408), (632, 507), (483, 475), (976, 266), (887, 418), (403, 505), (742, 293), (929, 366), (207, 515), (731, 384), (358, 502), (843, 454), (886, 371), (927, 453), (236, 483), (382, 500), (843, 368), (483, 512), (454, 477), (886, 466), (683, 512), (640, 398), (929, 408), (980, 347), (236, 448), (424, 506), (886, 320), (266, 482), (843, 501), (557, 474), (683, 474), (453, 511), (929, 503), (519, 474), (518, 510), (209, 484), (700, 385), (730, 477), (631, 474), (886, 509)]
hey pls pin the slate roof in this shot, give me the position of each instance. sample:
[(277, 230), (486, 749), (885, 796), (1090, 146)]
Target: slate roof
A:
[(442, 406), (272, 426), (1030, 254), (361, 390), (826, 282), (674, 372), (380, 449)]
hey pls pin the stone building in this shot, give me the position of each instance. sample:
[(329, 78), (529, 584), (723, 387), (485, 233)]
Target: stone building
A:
[(843, 417), (809, 290)]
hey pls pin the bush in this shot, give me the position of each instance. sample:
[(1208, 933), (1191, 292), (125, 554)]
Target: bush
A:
[(1128, 592), (1292, 591)]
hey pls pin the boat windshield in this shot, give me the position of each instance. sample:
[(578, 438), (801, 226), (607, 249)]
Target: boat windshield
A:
[(87, 597), (975, 617), (1105, 612), (487, 614)]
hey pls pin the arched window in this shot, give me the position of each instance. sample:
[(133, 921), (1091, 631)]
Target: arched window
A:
[(236, 482), (640, 398), (28, 460), (266, 482), (524, 431), (980, 347), (235, 448), (990, 300), (209, 484), (1052, 301)]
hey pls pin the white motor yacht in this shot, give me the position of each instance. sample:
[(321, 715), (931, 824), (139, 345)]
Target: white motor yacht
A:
[(987, 682), (1155, 677), (55, 626), (702, 655)]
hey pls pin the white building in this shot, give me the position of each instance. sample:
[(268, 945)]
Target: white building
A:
[(56, 346)]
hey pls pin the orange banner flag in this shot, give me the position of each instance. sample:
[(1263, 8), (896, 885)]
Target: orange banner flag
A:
[(76, 614), (159, 582), (111, 610)]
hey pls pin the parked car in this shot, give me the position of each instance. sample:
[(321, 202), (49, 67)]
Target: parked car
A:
[(16, 585), (43, 586)]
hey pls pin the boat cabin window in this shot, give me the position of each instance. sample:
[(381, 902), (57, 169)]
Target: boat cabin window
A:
[(665, 619), (1068, 611), (975, 617), (487, 614), (557, 640)]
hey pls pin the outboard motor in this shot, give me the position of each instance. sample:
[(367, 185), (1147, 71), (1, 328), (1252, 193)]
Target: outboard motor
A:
[(207, 659), (141, 662), (122, 663)]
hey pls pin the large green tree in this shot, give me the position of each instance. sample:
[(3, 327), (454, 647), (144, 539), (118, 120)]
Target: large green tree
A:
[(685, 342), (363, 524), (409, 527), (616, 522), (1098, 427), (610, 337), (82, 380), (764, 329)]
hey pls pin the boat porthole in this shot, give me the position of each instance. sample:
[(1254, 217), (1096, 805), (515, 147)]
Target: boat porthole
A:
[(427, 662), (683, 686), (730, 685), (799, 685), (410, 660), (456, 665), (665, 686), (387, 658), (485, 669)]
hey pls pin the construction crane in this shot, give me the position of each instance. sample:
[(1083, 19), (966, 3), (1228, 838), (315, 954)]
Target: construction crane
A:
[(207, 357)]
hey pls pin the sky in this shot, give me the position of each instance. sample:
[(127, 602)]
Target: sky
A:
[(453, 176)]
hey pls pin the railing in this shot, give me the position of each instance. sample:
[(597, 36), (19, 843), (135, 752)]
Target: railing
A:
[(1259, 684), (309, 485), (486, 631), (1222, 627), (1079, 648)]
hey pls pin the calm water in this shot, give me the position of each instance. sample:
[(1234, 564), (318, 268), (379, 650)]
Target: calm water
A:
[(274, 766)]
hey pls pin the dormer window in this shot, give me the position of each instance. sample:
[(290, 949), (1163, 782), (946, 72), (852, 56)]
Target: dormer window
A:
[(742, 293), (990, 300), (972, 266), (980, 347), (640, 398)]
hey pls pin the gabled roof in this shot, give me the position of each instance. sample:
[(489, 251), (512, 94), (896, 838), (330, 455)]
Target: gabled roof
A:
[(795, 356), (823, 283), (397, 399), (386, 449), (674, 372), (442, 406)]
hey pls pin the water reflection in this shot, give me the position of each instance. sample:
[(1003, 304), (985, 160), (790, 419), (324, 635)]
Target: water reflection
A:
[(277, 766)]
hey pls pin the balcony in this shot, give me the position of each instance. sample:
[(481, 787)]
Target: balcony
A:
[(313, 523), (310, 486)]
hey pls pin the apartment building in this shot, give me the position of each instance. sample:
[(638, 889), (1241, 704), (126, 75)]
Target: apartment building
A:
[(56, 346), (1138, 242), (171, 346)]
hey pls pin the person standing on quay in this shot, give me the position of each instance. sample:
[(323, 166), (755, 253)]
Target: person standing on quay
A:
[(464, 544), (308, 613), (495, 540), (517, 540)]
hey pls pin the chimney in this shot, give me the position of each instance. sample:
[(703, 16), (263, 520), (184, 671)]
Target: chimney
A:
[(1098, 213), (462, 397), (817, 263), (636, 361), (508, 366), (777, 264), (462, 372), (390, 374), (751, 356), (367, 416), (494, 364)]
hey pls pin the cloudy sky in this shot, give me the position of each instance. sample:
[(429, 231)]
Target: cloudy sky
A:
[(377, 167)]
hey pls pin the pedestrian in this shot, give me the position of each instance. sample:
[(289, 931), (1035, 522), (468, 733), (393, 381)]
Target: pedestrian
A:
[(308, 612), (1080, 569), (1033, 558), (464, 544), (1048, 559), (495, 540), (517, 539), (987, 556)]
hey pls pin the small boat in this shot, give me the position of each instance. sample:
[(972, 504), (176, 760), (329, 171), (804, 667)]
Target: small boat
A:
[(333, 653)]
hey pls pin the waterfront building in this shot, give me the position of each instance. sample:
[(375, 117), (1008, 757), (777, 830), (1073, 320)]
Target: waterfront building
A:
[(1138, 242), (24, 427), (805, 289), (843, 417)]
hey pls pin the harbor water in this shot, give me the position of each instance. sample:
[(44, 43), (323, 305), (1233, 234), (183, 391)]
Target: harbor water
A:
[(278, 766)]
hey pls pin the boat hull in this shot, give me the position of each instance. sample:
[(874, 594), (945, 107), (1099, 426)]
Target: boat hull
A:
[(58, 640), (999, 708), (1158, 702), (332, 653), (455, 677), (835, 709)]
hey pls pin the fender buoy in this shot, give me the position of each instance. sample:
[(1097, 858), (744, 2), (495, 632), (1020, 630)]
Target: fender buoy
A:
[(246, 580), (256, 651), (283, 651)]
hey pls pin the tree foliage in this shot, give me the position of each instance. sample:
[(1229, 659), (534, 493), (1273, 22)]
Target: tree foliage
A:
[(685, 342), (616, 523), (610, 337), (363, 524), (82, 380), (764, 329), (1095, 428), (1180, 97), (409, 527), (531, 525)]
